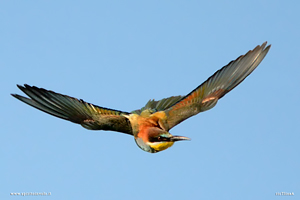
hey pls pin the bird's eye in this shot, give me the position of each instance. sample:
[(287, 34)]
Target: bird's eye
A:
[(158, 139), (162, 138)]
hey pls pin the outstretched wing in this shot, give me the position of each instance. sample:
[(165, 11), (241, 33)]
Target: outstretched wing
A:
[(78, 111), (205, 96)]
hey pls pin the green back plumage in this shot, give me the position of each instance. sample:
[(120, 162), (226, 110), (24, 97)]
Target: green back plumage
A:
[(155, 106)]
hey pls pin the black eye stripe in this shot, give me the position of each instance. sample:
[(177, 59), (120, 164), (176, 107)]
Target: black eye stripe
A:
[(164, 138), (159, 139)]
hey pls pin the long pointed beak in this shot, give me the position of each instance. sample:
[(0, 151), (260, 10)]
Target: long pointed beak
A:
[(179, 138)]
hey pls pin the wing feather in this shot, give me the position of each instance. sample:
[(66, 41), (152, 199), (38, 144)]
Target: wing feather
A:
[(206, 96), (77, 111)]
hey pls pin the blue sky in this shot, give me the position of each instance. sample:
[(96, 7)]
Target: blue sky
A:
[(120, 54)]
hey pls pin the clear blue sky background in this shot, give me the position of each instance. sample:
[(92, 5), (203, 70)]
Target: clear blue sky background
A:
[(120, 54)]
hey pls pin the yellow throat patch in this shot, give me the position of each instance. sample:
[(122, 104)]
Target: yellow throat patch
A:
[(160, 146)]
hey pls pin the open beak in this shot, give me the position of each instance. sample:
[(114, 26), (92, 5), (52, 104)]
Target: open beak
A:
[(179, 138)]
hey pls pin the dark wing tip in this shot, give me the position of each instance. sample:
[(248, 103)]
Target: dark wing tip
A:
[(15, 95), (21, 86), (24, 88), (265, 49)]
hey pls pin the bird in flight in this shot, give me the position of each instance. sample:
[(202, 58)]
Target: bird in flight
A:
[(151, 124)]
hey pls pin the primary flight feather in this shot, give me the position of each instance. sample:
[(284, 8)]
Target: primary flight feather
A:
[(150, 125)]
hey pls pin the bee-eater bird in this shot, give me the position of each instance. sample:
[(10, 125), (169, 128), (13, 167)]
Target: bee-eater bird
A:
[(151, 124)]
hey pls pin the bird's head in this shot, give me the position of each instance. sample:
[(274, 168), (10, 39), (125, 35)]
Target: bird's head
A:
[(154, 139)]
